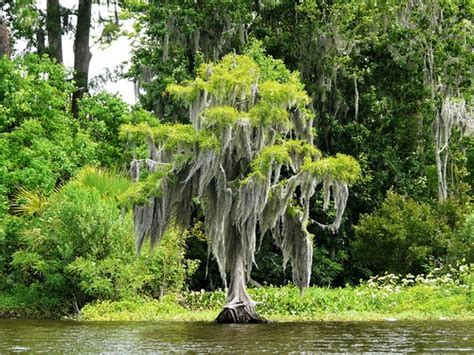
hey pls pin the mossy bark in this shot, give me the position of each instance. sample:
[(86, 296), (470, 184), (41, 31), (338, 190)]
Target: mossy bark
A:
[(240, 307)]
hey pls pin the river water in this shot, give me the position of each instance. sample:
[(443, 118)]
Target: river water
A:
[(196, 337)]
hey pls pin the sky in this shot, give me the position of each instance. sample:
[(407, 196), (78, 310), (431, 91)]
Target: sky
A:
[(102, 58)]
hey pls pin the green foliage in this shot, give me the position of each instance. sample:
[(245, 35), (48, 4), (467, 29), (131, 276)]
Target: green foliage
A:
[(265, 114), (467, 230), (342, 168), (142, 309), (270, 69), (41, 144), (326, 267), (430, 296), (78, 225), (29, 203), (108, 183), (461, 245), (301, 149), (101, 116), (34, 88), (10, 227), (186, 93), (372, 301), (381, 297), (180, 36), (140, 192), (286, 153), (274, 154), (402, 235), (233, 79), (81, 249), (171, 137), (166, 267), (288, 94), (220, 116)]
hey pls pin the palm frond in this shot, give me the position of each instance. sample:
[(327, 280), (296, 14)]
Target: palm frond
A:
[(109, 183), (28, 202)]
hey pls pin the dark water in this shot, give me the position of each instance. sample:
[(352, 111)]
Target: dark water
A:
[(144, 337)]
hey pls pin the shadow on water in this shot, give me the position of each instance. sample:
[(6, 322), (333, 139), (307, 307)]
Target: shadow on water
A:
[(132, 337)]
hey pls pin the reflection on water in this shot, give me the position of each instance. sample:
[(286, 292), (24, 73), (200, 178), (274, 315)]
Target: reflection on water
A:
[(133, 337)]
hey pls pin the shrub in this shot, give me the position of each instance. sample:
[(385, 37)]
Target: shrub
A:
[(79, 232), (80, 249), (463, 245), (41, 143), (401, 236)]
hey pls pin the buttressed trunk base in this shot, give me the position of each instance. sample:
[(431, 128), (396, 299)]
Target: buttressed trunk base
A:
[(240, 307), (239, 313)]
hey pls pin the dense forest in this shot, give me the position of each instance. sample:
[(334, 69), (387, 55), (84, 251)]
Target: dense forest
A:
[(342, 130)]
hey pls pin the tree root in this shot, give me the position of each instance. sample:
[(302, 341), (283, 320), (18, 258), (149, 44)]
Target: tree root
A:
[(240, 313)]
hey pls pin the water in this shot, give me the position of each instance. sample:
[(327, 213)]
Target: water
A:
[(196, 337)]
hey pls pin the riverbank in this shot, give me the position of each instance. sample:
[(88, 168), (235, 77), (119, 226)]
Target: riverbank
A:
[(363, 303), (381, 298)]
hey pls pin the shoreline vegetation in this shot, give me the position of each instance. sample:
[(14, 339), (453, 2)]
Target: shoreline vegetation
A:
[(388, 298), (313, 142)]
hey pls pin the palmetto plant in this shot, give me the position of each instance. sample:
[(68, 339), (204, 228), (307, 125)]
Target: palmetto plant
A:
[(109, 183), (28, 202)]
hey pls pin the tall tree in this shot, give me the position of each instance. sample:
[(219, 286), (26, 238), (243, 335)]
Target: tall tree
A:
[(54, 29), (247, 160), (82, 53), (5, 44), (445, 50)]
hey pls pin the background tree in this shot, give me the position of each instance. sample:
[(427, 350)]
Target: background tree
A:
[(247, 160), (5, 46), (175, 38), (32, 23), (55, 29), (82, 53)]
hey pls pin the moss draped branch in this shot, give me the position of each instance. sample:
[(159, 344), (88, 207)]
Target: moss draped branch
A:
[(250, 162)]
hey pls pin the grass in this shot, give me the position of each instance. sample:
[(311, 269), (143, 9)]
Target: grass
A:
[(447, 296), (419, 302), (140, 309)]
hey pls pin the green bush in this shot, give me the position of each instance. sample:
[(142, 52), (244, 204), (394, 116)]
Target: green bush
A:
[(41, 143), (462, 247), (81, 249), (166, 267), (79, 232), (9, 243), (402, 236)]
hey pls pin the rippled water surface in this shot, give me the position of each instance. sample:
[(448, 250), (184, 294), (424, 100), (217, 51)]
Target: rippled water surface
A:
[(143, 337)]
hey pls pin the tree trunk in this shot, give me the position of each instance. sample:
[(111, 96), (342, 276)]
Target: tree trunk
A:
[(82, 54), (40, 41), (240, 307), (53, 26), (441, 157), (5, 44)]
